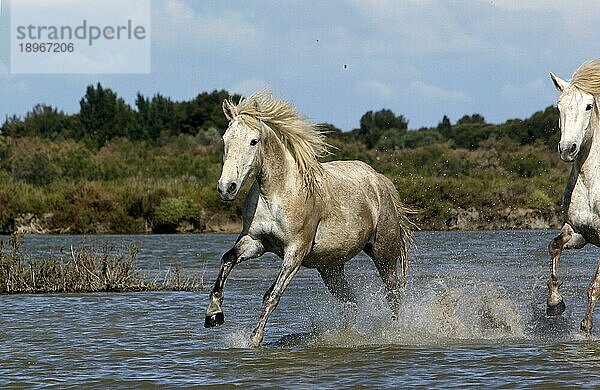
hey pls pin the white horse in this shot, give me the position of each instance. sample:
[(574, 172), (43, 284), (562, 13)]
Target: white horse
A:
[(579, 144), (312, 214)]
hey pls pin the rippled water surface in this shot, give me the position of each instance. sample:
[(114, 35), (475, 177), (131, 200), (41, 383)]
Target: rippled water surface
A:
[(473, 314)]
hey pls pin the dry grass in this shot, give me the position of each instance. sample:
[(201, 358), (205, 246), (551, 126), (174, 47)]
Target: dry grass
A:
[(87, 269)]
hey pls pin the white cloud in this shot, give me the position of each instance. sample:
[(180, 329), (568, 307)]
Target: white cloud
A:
[(427, 91), (375, 88), (531, 90), (249, 86), (415, 27), (177, 24), (528, 5), (45, 3), (577, 18), (580, 20)]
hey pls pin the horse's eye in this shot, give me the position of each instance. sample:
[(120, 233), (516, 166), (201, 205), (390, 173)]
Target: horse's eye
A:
[(588, 107), (253, 142)]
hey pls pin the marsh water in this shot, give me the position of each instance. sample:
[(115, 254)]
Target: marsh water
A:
[(472, 314)]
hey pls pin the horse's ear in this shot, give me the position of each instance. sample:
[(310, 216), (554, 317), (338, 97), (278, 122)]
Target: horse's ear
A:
[(559, 83), (228, 109)]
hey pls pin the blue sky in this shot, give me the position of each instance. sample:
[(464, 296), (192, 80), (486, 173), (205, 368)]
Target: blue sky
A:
[(337, 59)]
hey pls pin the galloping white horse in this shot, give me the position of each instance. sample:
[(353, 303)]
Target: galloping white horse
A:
[(579, 144), (308, 213)]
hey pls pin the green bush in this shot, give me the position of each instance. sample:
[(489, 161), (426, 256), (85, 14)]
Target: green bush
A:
[(170, 213), (539, 200)]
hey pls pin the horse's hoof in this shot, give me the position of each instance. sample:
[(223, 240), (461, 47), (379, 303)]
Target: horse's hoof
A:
[(214, 320), (585, 328), (556, 310)]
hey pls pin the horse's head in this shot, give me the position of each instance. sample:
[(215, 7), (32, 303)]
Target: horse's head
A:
[(240, 158), (575, 112)]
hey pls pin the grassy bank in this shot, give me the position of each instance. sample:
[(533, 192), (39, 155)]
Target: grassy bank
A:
[(140, 187), (123, 187)]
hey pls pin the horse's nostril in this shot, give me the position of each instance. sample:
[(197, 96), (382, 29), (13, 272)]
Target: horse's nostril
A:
[(231, 187), (573, 148)]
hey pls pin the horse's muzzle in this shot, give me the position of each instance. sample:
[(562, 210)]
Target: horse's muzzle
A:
[(228, 191), (568, 151)]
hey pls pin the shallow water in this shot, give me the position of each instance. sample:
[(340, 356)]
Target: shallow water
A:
[(473, 314)]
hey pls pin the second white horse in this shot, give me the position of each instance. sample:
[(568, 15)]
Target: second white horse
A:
[(580, 145)]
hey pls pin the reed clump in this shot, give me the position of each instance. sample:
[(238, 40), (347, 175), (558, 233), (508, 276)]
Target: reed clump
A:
[(82, 270)]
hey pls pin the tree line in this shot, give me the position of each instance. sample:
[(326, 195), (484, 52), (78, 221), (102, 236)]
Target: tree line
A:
[(384, 130), (104, 116)]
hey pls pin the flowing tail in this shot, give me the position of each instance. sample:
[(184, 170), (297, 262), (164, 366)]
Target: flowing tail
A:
[(405, 226)]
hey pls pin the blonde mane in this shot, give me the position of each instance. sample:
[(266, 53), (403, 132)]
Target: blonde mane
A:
[(304, 140), (587, 77)]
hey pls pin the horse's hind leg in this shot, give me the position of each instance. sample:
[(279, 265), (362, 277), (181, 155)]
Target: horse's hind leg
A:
[(245, 248), (593, 293), (335, 281), (386, 257)]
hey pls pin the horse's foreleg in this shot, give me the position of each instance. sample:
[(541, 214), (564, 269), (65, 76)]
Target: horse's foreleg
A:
[(268, 293), (245, 248), (593, 294), (214, 312), (555, 304), (289, 268)]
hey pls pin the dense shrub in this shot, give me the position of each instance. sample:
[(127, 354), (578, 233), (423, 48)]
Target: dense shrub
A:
[(153, 167)]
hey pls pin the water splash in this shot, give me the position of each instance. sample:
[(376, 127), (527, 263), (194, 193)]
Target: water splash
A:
[(454, 309), (442, 312), (239, 338)]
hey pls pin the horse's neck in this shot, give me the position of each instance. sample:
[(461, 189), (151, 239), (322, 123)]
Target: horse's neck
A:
[(588, 165), (277, 169)]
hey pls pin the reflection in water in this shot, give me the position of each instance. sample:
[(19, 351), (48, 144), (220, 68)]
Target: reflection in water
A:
[(472, 313)]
